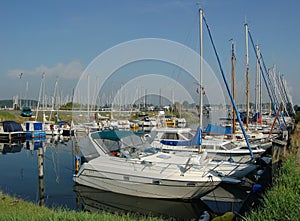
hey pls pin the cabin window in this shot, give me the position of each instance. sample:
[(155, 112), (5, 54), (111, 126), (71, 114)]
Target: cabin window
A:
[(186, 136), (208, 147), (170, 136), (229, 146), (191, 184), (156, 182)]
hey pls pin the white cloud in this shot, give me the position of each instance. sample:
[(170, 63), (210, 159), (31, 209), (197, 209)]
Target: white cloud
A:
[(72, 70)]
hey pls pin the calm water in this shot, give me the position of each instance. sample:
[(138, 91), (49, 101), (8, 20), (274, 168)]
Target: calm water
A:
[(19, 177)]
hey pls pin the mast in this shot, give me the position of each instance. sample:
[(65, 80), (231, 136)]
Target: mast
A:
[(233, 85), (228, 90), (54, 98), (88, 97), (26, 95), (247, 78), (200, 73), (201, 65), (40, 95), (258, 83)]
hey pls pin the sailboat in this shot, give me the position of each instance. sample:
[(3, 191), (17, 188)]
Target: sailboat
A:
[(218, 147)]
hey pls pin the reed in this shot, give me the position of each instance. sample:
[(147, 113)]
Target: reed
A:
[(283, 200)]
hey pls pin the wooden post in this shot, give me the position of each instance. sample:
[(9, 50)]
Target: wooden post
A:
[(41, 174)]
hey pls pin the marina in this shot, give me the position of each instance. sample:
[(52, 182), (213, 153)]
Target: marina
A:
[(53, 184), (156, 127), (57, 189)]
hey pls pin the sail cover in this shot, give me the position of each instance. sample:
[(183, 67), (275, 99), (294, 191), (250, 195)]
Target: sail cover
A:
[(216, 129)]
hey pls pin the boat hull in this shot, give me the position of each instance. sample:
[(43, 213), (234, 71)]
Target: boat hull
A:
[(136, 179)]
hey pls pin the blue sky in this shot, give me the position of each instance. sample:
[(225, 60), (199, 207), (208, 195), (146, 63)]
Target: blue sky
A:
[(60, 38)]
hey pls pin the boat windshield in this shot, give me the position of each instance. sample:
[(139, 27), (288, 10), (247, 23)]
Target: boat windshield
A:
[(136, 147), (128, 145), (177, 136)]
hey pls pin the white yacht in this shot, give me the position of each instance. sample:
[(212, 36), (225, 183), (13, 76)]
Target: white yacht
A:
[(121, 162)]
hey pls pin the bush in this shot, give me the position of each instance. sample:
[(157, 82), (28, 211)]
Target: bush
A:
[(297, 117)]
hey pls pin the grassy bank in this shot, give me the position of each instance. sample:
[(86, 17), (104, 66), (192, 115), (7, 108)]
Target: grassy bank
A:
[(283, 200), (15, 115), (7, 115), (12, 209)]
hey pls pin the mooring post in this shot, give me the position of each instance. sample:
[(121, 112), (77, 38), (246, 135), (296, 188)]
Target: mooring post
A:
[(41, 174)]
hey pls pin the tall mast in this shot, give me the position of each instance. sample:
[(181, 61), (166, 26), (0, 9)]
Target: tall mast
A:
[(54, 98), (88, 97), (258, 83), (201, 66), (40, 96), (247, 78), (26, 95), (44, 93), (233, 85)]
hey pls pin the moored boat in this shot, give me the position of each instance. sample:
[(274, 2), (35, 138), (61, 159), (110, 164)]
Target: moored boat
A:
[(175, 139), (11, 131), (34, 129), (121, 162)]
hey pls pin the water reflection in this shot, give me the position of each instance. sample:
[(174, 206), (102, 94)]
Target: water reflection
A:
[(223, 199), (10, 147), (34, 143), (39, 171), (94, 200), (226, 197)]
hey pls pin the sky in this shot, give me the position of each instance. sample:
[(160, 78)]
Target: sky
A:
[(62, 37)]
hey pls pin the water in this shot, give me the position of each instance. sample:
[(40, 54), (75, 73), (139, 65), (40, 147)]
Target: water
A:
[(20, 177)]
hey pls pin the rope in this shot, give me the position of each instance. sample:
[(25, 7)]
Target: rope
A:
[(228, 90), (270, 82)]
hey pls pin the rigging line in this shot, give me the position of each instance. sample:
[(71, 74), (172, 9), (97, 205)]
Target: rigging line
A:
[(268, 86), (273, 87), (265, 68), (189, 39), (269, 80), (228, 90), (284, 91), (280, 92)]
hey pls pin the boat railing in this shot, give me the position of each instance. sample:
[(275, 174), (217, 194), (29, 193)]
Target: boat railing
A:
[(186, 167)]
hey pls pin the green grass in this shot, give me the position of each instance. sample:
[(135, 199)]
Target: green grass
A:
[(12, 209), (5, 115), (283, 200)]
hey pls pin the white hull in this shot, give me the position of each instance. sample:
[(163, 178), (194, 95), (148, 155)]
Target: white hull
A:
[(217, 148), (120, 162), (145, 180)]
